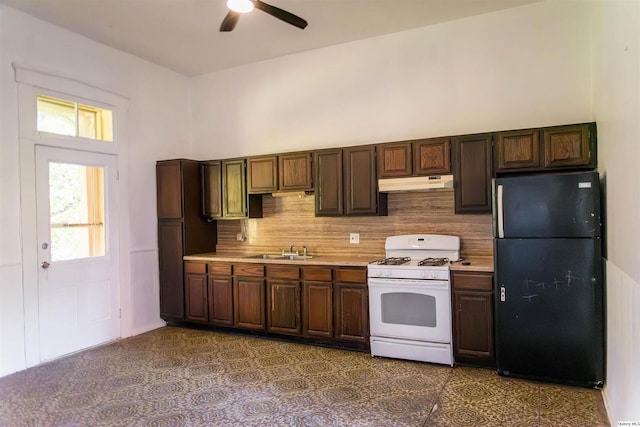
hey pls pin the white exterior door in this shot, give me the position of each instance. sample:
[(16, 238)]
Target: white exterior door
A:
[(77, 233)]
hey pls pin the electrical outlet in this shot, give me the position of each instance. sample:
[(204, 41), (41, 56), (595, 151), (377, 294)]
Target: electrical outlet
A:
[(240, 237), (354, 237)]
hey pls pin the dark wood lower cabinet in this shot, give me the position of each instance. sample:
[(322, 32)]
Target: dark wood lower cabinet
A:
[(248, 310), (283, 306), (352, 316), (221, 301), (220, 292), (473, 319), (170, 251), (195, 283), (351, 304), (323, 304), (317, 303)]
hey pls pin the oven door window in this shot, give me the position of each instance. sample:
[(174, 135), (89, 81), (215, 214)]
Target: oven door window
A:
[(411, 309)]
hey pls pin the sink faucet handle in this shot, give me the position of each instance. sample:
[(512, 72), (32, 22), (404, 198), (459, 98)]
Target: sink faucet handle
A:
[(304, 250)]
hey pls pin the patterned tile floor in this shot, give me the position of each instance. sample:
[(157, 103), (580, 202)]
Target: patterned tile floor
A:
[(182, 377)]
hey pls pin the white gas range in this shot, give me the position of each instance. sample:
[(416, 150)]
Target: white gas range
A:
[(410, 298)]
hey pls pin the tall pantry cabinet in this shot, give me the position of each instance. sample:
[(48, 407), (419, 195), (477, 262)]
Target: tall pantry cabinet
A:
[(181, 230)]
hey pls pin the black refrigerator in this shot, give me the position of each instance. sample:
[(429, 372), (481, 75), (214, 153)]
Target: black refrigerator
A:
[(548, 276)]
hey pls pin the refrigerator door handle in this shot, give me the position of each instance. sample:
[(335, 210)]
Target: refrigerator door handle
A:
[(500, 214)]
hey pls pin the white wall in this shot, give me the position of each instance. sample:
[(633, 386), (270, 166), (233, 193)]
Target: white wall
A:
[(158, 128), (522, 67), (616, 88)]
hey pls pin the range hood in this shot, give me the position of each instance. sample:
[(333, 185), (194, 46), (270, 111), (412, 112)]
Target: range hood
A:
[(416, 183)]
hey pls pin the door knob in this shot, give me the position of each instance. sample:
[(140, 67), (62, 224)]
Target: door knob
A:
[(45, 264)]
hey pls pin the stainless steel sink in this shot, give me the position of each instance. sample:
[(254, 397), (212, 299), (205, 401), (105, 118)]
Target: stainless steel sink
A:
[(279, 256)]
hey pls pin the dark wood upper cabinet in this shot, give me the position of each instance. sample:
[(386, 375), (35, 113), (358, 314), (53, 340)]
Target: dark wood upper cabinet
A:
[(361, 182), (536, 150), (517, 149), (283, 172), (169, 189), (473, 173), (234, 190), (211, 189), (224, 191), (395, 160), (432, 156), (262, 174), (567, 146), (329, 192), (295, 172)]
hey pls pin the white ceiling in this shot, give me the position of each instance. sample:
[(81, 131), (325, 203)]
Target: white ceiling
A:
[(183, 34)]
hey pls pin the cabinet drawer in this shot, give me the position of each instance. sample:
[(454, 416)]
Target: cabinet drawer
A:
[(220, 268), (248, 270), (283, 272), (318, 274), (351, 275), (477, 281), (195, 267)]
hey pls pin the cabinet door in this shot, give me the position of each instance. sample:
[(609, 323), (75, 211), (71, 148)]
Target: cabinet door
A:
[(567, 146), (248, 310), (169, 189), (283, 306), (394, 160), (294, 172), (220, 300), (195, 283), (234, 191), (473, 325), (432, 156), (472, 176), (170, 252), (517, 150), (360, 182), (262, 174), (317, 309), (328, 193), (211, 173), (351, 312)]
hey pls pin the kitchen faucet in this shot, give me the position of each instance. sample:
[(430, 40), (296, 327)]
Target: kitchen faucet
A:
[(290, 251)]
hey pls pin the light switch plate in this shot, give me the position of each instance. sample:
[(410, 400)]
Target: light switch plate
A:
[(354, 237)]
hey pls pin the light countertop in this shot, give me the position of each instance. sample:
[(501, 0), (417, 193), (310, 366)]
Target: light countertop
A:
[(343, 260), (477, 263)]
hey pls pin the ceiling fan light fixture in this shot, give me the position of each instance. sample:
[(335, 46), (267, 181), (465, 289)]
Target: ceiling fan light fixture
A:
[(240, 6)]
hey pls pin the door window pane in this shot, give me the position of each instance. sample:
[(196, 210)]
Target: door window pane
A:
[(76, 206)]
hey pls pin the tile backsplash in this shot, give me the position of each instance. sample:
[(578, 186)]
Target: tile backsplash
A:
[(291, 220)]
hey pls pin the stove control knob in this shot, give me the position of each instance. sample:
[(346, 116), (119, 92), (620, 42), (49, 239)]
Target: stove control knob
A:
[(434, 274), (387, 273)]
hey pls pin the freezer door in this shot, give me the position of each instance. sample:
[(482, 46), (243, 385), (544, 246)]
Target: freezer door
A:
[(549, 310), (549, 205)]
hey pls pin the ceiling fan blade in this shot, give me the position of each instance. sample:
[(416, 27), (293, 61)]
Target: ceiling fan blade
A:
[(230, 20), (282, 15)]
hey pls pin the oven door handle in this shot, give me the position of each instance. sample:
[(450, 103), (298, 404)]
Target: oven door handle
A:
[(409, 283)]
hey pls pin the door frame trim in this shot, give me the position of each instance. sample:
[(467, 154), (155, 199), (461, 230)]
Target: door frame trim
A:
[(31, 82)]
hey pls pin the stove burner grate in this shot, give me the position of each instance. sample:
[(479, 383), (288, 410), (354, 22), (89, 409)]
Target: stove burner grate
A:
[(433, 262), (393, 261)]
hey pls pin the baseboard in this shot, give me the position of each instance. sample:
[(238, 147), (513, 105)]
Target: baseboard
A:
[(147, 328)]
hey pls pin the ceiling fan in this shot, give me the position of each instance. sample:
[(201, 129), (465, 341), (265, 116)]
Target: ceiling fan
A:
[(238, 7)]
